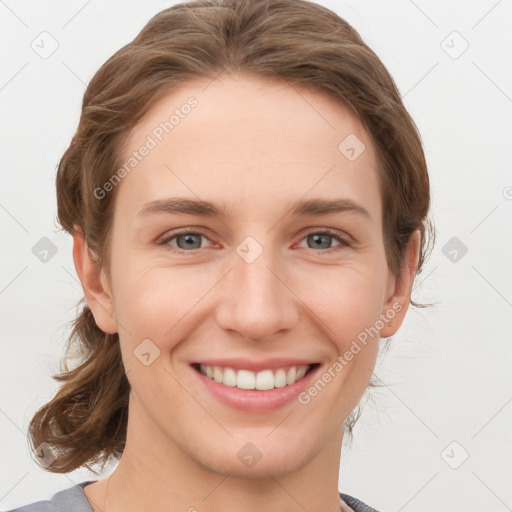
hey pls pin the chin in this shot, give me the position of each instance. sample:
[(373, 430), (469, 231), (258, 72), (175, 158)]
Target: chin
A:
[(258, 460)]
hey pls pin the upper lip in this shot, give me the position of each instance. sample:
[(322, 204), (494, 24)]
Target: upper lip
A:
[(255, 366)]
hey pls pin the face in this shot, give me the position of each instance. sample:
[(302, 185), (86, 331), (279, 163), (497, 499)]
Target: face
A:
[(284, 267)]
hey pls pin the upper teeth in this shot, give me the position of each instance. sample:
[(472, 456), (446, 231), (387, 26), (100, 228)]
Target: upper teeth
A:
[(245, 379)]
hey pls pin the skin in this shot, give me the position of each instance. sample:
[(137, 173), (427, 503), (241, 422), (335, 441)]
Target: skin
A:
[(253, 144)]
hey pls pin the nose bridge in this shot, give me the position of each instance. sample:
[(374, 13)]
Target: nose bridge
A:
[(257, 302)]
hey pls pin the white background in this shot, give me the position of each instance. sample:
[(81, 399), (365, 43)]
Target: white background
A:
[(448, 371)]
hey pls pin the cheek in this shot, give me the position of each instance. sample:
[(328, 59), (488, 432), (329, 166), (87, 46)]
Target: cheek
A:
[(141, 302), (153, 313), (346, 299), (156, 301)]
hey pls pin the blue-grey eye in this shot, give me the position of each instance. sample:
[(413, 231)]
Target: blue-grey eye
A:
[(320, 240), (190, 241)]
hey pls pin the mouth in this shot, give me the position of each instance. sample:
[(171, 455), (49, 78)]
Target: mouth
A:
[(263, 380)]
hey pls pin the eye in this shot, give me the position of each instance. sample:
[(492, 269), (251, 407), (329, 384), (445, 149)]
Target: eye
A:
[(321, 239), (189, 242), (184, 240)]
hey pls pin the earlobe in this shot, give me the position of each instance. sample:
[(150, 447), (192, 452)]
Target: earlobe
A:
[(95, 284), (397, 303)]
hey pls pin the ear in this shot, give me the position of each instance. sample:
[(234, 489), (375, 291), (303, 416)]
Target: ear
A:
[(95, 284), (399, 290)]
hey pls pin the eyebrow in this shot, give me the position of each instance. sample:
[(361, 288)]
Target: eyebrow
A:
[(304, 208)]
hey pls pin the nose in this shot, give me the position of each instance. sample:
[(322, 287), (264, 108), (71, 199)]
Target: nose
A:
[(256, 301)]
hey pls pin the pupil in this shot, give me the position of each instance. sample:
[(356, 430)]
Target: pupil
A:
[(188, 238), (318, 240)]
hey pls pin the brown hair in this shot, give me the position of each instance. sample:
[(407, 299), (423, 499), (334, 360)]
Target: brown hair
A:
[(292, 40)]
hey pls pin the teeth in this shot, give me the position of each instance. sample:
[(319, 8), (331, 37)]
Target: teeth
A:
[(245, 379)]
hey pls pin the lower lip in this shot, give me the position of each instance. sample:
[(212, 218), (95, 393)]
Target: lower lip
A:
[(255, 400)]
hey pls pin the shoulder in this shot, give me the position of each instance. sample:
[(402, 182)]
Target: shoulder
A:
[(355, 504), (71, 499)]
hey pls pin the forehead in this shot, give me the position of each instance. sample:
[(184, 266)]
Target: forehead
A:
[(253, 141)]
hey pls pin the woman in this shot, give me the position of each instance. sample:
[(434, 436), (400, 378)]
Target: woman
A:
[(248, 200)]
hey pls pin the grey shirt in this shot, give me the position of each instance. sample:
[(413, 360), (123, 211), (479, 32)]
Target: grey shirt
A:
[(73, 499)]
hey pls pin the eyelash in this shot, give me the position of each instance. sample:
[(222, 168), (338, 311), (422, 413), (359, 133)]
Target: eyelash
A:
[(326, 231)]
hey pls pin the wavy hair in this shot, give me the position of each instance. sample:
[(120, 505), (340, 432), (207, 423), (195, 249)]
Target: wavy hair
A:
[(297, 41)]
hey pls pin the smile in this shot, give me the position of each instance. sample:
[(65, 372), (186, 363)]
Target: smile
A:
[(263, 380)]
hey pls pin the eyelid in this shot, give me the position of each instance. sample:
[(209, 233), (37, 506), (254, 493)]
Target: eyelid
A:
[(344, 239), (164, 239)]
